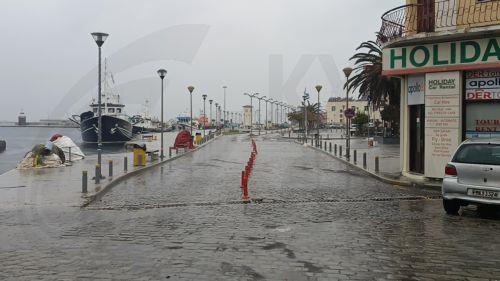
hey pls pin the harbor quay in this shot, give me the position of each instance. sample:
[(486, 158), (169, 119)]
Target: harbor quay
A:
[(311, 217)]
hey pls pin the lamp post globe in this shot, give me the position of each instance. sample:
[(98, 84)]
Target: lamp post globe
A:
[(99, 38), (161, 73)]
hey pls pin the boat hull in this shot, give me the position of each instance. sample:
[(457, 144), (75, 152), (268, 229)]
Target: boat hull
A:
[(114, 130)]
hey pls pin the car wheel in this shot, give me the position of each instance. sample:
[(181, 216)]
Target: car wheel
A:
[(451, 206)]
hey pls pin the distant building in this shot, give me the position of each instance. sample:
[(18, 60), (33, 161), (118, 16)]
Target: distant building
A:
[(21, 119), (247, 116), (336, 106)]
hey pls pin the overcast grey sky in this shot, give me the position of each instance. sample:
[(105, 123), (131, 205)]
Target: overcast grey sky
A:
[(48, 56)]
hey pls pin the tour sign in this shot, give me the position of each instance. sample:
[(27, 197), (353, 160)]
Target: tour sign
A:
[(349, 113)]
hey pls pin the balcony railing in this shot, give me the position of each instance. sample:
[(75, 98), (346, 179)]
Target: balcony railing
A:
[(442, 15)]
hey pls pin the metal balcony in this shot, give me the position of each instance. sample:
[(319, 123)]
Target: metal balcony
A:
[(441, 15)]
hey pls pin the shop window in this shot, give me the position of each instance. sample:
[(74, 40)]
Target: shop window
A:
[(111, 110), (118, 110), (482, 120)]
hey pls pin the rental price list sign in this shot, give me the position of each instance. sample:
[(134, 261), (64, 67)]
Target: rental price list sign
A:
[(442, 120)]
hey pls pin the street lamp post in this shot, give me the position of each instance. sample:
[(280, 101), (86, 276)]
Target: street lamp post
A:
[(162, 73), (282, 116), (216, 116), (266, 100), (271, 101), (251, 109), (277, 111), (191, 89), (260, 113), (305, 97), (347, 71), (318, 88), (210, 102), (204, 114), (224, 118), (219, 120), (99, 39)]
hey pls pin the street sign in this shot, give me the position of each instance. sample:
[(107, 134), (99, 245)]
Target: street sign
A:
[(349, 113)]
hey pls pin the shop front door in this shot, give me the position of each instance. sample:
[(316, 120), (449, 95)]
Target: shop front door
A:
[(417, 138)]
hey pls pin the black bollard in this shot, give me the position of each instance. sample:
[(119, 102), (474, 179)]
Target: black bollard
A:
[(110, 168), (364, 160), (376, 164), (97, 174), (355, 156), (330, 147), (125, 160), (335, 149), (84, 181), (340, 151)]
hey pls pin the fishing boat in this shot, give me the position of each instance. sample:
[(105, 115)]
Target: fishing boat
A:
[(144, 123), (116, 125)]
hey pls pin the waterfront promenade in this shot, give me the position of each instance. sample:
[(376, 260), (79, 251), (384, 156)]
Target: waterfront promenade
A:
[(318, 219)]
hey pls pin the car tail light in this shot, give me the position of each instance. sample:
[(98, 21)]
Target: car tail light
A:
[(450, 170)]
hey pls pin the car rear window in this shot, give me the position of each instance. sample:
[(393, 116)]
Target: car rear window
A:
[(486, 154)]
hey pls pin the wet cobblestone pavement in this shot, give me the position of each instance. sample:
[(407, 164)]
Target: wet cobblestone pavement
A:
[(318, 221)]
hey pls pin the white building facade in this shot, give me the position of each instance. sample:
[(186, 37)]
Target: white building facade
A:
[(335, 108)]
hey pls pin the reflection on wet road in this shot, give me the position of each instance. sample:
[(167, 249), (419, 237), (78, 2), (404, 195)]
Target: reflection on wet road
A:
[(318, 219)]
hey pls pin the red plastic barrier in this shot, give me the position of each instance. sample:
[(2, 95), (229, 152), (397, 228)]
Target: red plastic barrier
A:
[(248, 171)]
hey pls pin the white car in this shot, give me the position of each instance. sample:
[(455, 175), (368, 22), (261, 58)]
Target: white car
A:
[(473, 175)]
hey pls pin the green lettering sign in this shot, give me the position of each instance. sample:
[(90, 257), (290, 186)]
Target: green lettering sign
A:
[(413, 53), (492, 50), (463, 51), (402, 58), (453, 53), (435, 56)]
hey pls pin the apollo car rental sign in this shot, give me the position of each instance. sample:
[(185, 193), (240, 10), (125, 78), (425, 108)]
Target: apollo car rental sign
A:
[(482, 84), (447, 56)]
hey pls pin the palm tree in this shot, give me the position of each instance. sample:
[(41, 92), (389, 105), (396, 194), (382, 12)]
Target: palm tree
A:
[(379, 89), (312, 115)]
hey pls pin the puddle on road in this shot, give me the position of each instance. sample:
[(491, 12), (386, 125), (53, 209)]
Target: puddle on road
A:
[(303, 168), (350, 172), (206, 165), (225, 161), (10, 187)]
